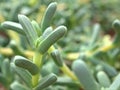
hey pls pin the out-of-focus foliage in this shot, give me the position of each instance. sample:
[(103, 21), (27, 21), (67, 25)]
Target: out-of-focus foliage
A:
[(91, 41)]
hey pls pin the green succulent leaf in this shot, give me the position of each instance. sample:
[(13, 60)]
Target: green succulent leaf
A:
[(16, 49), (65, 81), (6, 70), (15, 10), (44, 35), (13, 26), (37, 28), (96, 30), (28, 28), (52, 38), (85, 77), (38, 41), (47, 32), (50, 11), (46, 81), (17, 86), (24, 75), (26, 64), (116, 25), (116, 83), (57, 58), (111, 71), (103, 79)]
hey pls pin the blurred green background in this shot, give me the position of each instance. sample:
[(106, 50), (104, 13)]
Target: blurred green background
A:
[(81, 17)]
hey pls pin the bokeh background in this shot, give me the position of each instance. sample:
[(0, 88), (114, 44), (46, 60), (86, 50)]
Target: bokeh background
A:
[(81, 17)]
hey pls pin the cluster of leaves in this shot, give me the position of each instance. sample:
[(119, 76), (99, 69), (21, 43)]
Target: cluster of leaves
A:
[(100, 53)]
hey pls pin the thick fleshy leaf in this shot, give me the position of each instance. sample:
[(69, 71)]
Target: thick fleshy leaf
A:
[(116, 83), (37, 28), (13, 26), (6, 70), (18, 86), (116, 25), (26, 64), (103, 79), (44, 35), (24, 75), (57, 58), (28, 28), (50, 11), (16, 49), (111, 71), (65, 81), (96, 30), (84, 75), (46, 81), (47, 32), (51, 39)]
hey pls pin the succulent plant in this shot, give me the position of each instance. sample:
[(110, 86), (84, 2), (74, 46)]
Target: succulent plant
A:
[(30, 68)]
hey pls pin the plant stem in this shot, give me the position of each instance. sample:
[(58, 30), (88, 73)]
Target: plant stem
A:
[(35, 79), (64, 68), (100, 49), (68, 72), (51, 49), (37, 59)]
